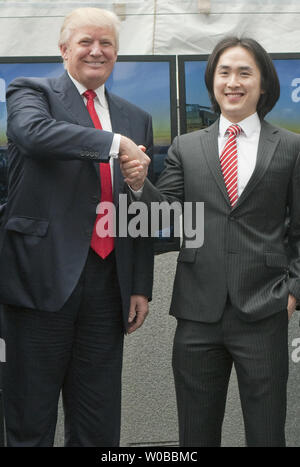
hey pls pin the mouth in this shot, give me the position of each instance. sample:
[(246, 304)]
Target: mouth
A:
[(233, 96), (95, 64)]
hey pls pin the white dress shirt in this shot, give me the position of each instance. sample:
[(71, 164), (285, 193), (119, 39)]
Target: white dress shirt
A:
[(247, 145), (101, 107)]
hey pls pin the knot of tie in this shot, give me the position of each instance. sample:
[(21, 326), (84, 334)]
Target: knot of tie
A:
[(90, 94), (234, 130)]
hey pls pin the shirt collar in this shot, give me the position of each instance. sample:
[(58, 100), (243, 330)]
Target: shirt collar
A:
[(249, 125), (99, 91)]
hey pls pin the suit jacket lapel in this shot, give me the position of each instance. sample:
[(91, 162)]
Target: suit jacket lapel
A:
[(72, 100), (74, 104), (209, 142), (268, 142)]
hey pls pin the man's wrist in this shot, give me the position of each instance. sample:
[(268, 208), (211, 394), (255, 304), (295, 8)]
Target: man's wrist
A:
[(136, 193), (125, 145)]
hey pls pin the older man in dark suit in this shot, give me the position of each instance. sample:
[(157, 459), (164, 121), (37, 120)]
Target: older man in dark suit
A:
[(69, 291), (232, 297)]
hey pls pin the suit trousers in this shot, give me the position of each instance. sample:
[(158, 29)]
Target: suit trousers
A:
[(76, 350), (203, 355)]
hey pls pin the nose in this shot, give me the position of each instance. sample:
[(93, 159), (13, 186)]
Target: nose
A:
[(233, 80), (96, 49)]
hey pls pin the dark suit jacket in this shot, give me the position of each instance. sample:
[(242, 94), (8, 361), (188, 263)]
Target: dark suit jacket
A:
[(53, 191), (244, 254)]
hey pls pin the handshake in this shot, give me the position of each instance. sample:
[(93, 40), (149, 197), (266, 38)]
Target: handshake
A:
[(134, 163)]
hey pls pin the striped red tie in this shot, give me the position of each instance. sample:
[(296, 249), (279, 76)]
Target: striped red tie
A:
[(103, 246), (229, 163)]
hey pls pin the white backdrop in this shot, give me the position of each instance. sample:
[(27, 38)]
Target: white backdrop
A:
[(31, 28)]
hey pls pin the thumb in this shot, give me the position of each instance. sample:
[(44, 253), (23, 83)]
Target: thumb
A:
[(132, 314)]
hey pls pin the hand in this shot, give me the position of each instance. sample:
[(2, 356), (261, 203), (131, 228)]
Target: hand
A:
[(133, 163), (138, 311), (132, 151), (133, 172), (291, 305)]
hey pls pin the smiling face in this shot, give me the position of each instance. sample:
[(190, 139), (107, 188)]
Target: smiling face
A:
[(237, 84), (90, 55)]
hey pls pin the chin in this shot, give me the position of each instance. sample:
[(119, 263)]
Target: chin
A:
[(94, 80), (234, 112)]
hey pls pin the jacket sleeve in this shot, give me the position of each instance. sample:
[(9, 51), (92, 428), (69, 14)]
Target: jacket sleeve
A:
[(144, 247), (32, 127), (170, 185), (294, 232)]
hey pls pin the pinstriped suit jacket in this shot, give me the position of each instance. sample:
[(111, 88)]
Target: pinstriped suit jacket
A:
[(244, 254)]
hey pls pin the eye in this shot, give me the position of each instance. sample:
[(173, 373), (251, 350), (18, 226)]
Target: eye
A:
[(245, 73), (106, 44)]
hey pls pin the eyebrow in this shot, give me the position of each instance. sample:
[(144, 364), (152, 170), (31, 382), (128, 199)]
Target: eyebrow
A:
[(241, 68), (86, 36)]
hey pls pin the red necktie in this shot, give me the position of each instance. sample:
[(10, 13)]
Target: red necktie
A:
[(229, 163), (103, 246)]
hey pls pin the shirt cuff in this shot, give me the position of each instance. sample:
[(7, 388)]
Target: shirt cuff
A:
[(136, 194), (115, 146)]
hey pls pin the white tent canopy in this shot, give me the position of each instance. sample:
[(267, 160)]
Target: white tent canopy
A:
[(31, 28)]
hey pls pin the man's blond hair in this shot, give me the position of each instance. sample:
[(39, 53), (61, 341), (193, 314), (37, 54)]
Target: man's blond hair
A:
[(82, 17)]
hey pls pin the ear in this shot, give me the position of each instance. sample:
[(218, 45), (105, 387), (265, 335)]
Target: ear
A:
[(64, 51)]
